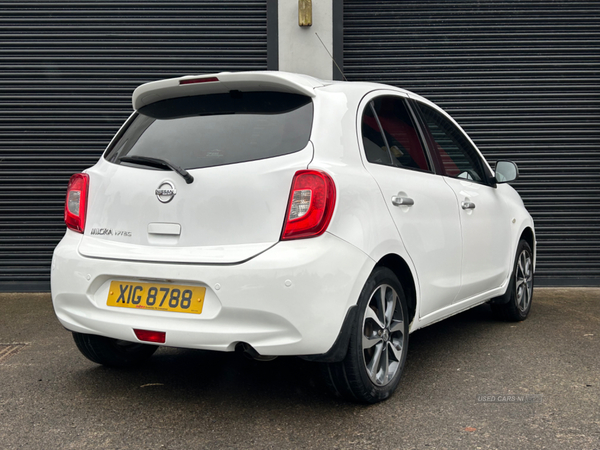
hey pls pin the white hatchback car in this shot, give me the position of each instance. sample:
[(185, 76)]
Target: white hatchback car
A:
[(286, 215)]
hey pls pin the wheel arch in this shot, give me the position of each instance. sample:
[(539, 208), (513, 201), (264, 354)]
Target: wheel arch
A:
[(401, 269), (529, 236)]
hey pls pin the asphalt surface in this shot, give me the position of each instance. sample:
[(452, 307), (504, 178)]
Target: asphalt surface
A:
[(470, 383)]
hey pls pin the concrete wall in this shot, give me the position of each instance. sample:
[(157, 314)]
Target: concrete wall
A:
[(299, 47)]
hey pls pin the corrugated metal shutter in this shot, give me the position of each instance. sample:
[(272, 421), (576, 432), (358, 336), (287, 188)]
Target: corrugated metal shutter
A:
[(523, 79), (68, 69)]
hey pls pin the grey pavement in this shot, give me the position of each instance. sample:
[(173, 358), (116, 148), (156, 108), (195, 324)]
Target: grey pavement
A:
[(470, 383)]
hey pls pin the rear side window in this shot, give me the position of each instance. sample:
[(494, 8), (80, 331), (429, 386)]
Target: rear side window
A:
[(389, 135), (217, 129)]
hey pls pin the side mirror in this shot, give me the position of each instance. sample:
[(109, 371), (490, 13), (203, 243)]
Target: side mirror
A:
[(506, 171)]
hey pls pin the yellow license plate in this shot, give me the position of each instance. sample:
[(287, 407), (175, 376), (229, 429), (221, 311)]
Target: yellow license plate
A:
[(159, 297)]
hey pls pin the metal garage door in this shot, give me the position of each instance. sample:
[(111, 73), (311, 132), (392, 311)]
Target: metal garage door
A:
[(523, 79), (68, 69)]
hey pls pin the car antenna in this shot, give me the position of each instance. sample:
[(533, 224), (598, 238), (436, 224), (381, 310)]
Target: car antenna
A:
[(336, 64)]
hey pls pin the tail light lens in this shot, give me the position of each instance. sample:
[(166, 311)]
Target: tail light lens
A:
[(311, 205), (76, 202)]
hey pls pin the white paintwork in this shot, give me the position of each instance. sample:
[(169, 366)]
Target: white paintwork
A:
[(96, 247), (486, 230), (170, 229), (228, 214), (300, 50), (253, 302), (283, 298)]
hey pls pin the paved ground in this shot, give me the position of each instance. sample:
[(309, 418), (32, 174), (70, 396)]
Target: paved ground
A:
[(53, 398)]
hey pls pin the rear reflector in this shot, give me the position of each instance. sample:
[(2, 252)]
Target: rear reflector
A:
[(198, 80), (76, 202), (158, 337), (311, 204)]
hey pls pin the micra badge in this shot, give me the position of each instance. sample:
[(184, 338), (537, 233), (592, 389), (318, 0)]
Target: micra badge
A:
[(109, 232)]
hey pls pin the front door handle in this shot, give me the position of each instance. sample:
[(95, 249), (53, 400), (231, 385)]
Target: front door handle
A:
[(402, 201), (467, 205)]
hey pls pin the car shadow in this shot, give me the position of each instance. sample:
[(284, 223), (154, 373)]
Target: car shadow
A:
[(185, 377)]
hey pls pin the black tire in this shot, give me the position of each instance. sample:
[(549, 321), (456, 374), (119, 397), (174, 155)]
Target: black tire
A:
[(362, 376), (112, 352), (520, 288)]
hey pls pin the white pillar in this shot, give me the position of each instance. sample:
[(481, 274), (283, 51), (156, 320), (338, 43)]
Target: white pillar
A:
[(300, 50)]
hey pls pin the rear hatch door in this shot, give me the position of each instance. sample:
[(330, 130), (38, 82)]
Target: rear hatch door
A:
[(242, 150)]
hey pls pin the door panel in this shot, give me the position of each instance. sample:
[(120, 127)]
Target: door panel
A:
[(429, 229), (486, 233), (485, 219), (421, 204)]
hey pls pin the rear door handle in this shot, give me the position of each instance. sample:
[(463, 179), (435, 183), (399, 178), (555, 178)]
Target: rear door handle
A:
[(467, 205), (402, 201)]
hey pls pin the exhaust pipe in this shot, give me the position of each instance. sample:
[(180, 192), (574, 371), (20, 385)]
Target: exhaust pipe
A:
[(250, 353)]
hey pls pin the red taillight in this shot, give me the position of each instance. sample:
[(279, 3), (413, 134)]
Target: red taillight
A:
[(151, 336), (198, 80), (311, 204), (76, 202)]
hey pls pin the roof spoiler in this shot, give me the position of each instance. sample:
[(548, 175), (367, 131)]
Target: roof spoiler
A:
[(224, 82)]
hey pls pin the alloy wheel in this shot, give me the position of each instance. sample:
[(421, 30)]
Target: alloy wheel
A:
[(524, 280), (383, 335)]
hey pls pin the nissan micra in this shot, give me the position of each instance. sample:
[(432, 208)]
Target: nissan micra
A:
[(280, 214)]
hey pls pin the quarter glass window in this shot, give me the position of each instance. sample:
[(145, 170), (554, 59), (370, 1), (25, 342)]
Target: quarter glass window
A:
[(375, 146)]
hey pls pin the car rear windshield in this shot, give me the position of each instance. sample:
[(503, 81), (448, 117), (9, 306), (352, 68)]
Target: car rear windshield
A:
[(217, 129)]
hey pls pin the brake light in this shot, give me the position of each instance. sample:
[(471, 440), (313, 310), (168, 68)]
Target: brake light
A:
[(311, 204), (76, 202), (198, 80)]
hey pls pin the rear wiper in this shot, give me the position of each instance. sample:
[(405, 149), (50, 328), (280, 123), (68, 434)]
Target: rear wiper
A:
[(158, 163)]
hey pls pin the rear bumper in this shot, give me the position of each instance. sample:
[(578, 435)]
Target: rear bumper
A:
[(289, 300)]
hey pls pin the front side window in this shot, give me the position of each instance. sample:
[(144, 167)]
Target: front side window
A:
[(454, 153), (217, 129), (389, 135)]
